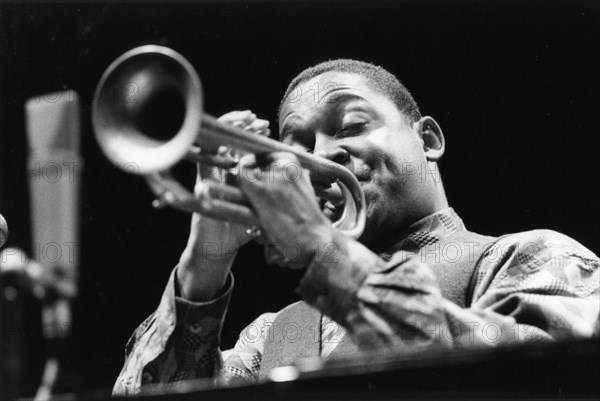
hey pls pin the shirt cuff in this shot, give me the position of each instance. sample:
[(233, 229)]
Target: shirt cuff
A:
[(198, 334), (191, 313)]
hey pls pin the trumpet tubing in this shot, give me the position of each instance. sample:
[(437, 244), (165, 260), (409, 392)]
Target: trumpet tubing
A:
[(147, 116)]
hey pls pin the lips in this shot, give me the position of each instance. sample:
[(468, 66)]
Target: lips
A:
[(331, 211), (363, 173)]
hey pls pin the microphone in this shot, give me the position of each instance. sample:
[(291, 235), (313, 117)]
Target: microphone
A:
[(3, 231), (54, 164), (53, 129)]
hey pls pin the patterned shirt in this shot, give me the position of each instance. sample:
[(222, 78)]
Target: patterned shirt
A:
[(533, 286)]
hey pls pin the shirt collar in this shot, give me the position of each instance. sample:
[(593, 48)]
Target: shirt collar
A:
[(427, 231)]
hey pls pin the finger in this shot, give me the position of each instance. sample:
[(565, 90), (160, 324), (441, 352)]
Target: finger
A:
[(249, 177), (247, 161), (221, 160), (206, 172), (263, 132), (273, 256), (238, 117), (227, 193), (259, 126), (262, 238), (215, 167), (170, 192)]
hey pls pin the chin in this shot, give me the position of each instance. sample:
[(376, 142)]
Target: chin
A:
[(373, 225)]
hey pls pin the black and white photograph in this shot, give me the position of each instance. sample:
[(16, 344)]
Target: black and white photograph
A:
[(306, 200)]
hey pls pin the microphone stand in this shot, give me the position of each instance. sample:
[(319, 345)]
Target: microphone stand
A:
[(55, 290)]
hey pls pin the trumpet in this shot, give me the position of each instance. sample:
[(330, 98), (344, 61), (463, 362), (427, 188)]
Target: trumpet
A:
[(145, 81)]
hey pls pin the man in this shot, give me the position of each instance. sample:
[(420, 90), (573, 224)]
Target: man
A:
[(416, 279)]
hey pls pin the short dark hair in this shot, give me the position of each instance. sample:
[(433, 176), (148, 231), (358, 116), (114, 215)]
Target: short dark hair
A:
[(382, 81)]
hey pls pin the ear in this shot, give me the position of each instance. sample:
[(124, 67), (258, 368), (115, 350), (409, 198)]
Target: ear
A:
[(432, 137)]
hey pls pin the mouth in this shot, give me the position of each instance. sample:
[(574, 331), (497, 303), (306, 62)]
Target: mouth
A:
[(363, 179), (363, 174), (333, 207), (331, 211)]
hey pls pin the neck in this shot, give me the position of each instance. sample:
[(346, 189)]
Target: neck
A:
[(393, 239)]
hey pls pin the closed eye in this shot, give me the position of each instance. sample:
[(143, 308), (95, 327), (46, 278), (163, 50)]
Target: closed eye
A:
[(351, 129)]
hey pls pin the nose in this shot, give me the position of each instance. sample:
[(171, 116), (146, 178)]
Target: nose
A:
[(330, 149)]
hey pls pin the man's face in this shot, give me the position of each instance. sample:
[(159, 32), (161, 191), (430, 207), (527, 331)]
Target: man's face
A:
[(340, 117)]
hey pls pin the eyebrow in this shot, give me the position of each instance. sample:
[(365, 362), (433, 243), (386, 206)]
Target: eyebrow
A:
[(341, 97), (287, 126), (284, 132)]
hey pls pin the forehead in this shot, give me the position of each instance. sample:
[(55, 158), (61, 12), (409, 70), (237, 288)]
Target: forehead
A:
[(335, 79), (317, 94)]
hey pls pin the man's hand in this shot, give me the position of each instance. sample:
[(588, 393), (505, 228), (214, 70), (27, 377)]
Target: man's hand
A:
[(282, 196), (213, 244)]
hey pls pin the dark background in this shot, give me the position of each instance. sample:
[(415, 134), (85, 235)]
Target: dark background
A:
[(512, 83)]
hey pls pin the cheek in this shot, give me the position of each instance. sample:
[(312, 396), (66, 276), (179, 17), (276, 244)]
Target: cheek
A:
[(383, 150), (395, 163), (389, 175), (384, 166), (385, 160)]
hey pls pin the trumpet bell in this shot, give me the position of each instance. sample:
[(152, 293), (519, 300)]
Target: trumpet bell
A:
[(132, 126), (147, 116)]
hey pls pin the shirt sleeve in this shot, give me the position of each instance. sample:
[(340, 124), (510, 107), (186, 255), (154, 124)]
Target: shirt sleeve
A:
[(535, 286), (180, 341)]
